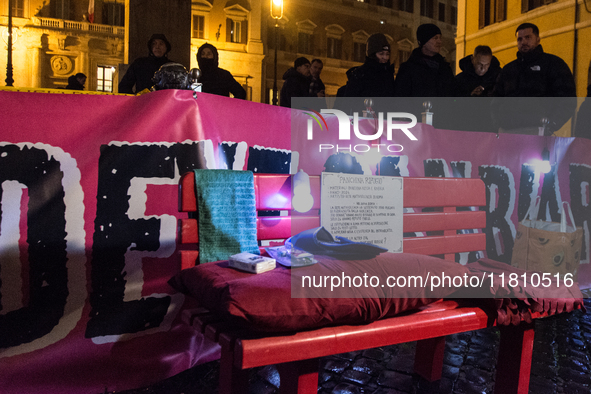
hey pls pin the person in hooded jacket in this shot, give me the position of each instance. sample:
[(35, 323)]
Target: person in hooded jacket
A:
[(375, 78), (425, 73), (479, 73), (216, 80), (297, 82), (142, 70)]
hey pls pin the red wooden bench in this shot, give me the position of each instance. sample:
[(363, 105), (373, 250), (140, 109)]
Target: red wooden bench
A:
[(296, 355)]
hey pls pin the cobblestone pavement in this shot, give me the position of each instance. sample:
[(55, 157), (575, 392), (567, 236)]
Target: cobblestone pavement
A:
[(561, 364)]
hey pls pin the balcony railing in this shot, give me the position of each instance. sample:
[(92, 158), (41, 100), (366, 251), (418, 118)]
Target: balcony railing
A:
[(83, 26)]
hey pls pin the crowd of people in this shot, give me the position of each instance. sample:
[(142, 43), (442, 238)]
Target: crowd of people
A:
[(426, 74), (215, 80)]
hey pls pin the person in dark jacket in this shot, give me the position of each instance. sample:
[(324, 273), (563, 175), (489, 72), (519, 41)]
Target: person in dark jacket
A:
[(477, 79), (534, 73), (425, 73), (141, 71), (297, 82), (76, 82), (375, 78), (216, 80), (479, 73), (317, 88)]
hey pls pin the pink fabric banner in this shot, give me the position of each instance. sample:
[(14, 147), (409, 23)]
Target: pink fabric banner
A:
[(88, 230), (88, 194)]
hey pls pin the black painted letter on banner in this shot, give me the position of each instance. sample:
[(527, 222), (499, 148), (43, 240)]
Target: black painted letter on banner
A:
[(46, 238)]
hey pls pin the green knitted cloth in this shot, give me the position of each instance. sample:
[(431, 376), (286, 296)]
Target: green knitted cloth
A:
[(226, 210)]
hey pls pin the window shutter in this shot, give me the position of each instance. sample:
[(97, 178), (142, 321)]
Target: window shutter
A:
[(524, 6), (244, 32), (228, 30), (500, 14), (481, 14)]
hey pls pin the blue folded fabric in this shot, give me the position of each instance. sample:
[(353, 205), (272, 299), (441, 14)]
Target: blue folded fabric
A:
[(226, 210), (319, 241)]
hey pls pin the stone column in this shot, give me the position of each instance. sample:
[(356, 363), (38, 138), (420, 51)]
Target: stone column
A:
[(84, 65), (255, 43), (35, 53), (147, 17)]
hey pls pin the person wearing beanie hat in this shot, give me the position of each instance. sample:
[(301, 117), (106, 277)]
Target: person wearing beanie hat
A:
[(427, 31), (142, 70), (425, 73), (377, 43), (216, 80), (375, 78), (296, 82)]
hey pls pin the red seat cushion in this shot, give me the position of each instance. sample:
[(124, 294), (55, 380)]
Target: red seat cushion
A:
[(276, 302)]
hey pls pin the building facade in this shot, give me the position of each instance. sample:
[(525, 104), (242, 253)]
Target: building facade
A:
[(55, 39), (565, 30), (335, 31)]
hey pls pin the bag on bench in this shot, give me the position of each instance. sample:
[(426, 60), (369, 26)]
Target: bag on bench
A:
[(548, 247)]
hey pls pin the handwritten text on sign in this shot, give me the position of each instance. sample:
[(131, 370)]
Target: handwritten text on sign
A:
[(363, 208)]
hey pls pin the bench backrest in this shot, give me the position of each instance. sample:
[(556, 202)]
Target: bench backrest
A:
[(437, 226)]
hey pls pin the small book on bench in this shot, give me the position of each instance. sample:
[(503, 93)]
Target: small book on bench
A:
[(252, 263)]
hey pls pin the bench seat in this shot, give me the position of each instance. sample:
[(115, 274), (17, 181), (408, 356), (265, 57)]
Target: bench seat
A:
[(451, 224)]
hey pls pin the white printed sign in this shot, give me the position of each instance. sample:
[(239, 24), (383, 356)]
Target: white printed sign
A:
[(363, 208)]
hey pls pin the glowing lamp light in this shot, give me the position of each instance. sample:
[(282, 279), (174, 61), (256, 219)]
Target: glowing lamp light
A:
[(277, 9), (6, 35), (302, 200), (543, 165)]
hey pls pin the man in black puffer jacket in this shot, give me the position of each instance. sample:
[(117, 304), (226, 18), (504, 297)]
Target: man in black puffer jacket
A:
[(477, 79), (479, 73), (425, 73), (533, 74)]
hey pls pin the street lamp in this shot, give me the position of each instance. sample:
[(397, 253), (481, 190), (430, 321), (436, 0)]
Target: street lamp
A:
[(9, 81), (276, 13)]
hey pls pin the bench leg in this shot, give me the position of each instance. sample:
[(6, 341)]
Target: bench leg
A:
[(299, 377), (233, 380), (429, 358), (514, 361)]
